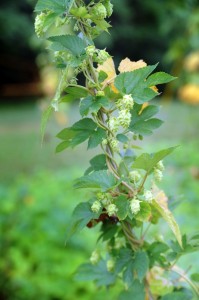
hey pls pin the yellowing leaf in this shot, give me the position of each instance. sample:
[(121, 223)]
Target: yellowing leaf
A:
[(127, 65), (109, 68), (160, 196), (169, 218)]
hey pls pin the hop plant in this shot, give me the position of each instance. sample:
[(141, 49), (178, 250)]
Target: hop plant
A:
[(98, 11), (112, 117)]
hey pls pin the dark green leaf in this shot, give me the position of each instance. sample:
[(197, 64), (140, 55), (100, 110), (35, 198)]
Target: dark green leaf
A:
[(122, 138), (103, 180), (70, 42), (92, 104), (148, 161), (96, 138), (82, 215), (97, 163), (128, 274), (97, 273), (146, 127), (127, 82), (57, 6), (136, 292), (141, 95), (124, 257), (159, 78), (62, 146), (77, 92), (122, 205), (141, 264)]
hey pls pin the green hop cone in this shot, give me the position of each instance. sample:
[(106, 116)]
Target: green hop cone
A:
[(99, 12), (109, 7)]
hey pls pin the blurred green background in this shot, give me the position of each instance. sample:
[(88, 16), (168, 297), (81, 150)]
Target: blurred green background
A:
[(36, 193)]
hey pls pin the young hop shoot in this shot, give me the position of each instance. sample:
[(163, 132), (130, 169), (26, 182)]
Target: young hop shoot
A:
[(125, 200)]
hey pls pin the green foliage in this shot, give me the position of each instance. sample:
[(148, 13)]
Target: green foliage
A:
[(148, 161), (68, 42), (141, 122), (123, 199), (80, 132), (103, 180)]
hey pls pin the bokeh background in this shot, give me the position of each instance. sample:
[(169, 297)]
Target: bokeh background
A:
[(36, 193)]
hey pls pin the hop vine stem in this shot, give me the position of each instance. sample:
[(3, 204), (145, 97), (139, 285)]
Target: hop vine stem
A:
[(109, 153)]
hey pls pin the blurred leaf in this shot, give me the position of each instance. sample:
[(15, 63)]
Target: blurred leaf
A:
[(57, 6), (97, 273), (145, 212), (103, 180), (92, 104), (186, 295), (45, 117), (136, 292), (141, 264), (148, 161), (82, 215), (195, 277), (169, 218), (70, 42), (97, 163), (122, 204)]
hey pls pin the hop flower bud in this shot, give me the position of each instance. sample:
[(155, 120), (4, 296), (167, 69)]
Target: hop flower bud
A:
[(160, 166), (124, 118), (134, 176), (110, 265), (100, 94), (39, 24), (96, 206), (112, 209), (102, 56), (95, 257), (104, 142), (148, 196), (99, 12), (90, 50), (114, 145), (158, 175), (109, 7), (113, 124), (135, 206)]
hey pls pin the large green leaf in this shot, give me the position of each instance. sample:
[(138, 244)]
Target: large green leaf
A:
[(169, 218), (148, 161), (141, 264), (92, 104), (142, 95), (70, 42), (82, 215), (97, 273), (80, 132), (103, 180), (122, 204), (136, 292), (159, 78), (57, 6), (97, 163), (127, 82), (141, 122)]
